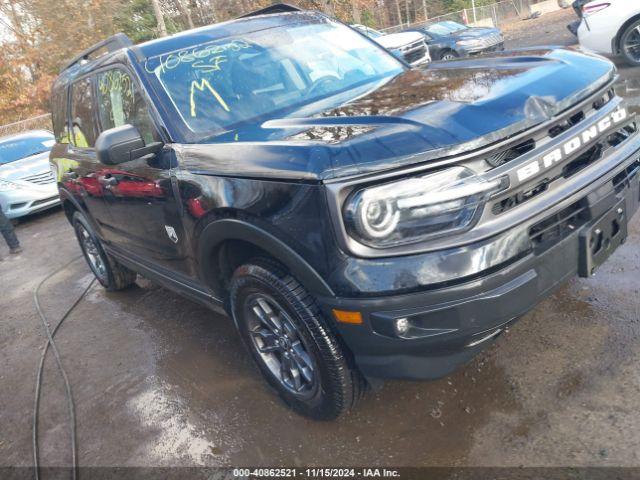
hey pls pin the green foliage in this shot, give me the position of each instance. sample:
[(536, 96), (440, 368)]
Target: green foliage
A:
[(368, 19), (137, 20)]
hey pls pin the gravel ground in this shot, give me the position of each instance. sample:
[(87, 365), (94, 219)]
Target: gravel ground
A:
[(549, 29)]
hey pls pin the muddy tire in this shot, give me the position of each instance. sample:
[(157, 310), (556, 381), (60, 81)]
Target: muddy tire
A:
[(630, 44), (292, 344), (111, 274)]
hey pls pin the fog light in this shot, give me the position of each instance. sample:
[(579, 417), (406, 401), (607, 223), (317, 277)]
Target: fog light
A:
[(402, 326)]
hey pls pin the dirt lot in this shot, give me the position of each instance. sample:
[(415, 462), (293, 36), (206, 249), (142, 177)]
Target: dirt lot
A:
[(158, 380)]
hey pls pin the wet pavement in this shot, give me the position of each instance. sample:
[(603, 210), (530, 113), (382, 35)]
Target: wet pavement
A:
[(159, 380)]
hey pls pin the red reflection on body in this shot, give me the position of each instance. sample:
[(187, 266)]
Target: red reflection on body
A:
[(195, 207)]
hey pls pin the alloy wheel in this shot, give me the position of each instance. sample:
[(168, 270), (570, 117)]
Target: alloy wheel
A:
[(276, 339), (90, 249), (632, 44)]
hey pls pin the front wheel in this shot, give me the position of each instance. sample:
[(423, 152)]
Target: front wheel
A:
[(111, 274), (448, 55), (630, 44), (291, 342)]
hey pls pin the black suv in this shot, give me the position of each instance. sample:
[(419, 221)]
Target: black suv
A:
[(356, 218)]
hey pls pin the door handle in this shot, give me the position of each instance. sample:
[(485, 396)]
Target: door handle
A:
[(107, 180)]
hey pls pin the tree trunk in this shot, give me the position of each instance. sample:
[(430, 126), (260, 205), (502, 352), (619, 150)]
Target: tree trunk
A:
[(406, 5), (399, 12), (327, 7), (162, 28), (185, 11), (355, 12), (424, 10), (24, 42)]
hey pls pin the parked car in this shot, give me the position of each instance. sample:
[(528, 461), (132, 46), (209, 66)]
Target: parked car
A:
[(609, 28), (409, 46), (356, 218), (27, 184), (449, 40)]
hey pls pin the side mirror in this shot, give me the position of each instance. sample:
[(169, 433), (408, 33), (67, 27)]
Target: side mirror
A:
[(123, 144)]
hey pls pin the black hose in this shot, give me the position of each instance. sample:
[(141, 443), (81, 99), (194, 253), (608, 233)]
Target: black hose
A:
[(50, 342)]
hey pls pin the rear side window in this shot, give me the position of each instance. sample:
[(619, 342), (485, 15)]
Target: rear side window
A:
[(83, 118), (120, 103), (59, 115)]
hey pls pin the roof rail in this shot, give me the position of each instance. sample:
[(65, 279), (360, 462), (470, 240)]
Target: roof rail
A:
[(271, 9), (113, 43)]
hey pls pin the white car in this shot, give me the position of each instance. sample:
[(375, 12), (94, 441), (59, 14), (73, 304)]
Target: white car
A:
[(611, 27), (410, 46)]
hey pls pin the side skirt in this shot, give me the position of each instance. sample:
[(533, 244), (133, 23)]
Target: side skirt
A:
[(168, 280)]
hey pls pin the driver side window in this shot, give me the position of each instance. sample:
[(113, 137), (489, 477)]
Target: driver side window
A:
[(120, 103)]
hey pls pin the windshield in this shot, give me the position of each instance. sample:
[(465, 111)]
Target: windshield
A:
[(17, 148), (445, 28), (222, 84)]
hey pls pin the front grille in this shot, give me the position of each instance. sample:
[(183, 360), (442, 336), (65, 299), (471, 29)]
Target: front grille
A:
[(418, 51), (582, 161), (491, 40), (562, 125), (42, 178), (415, 55)]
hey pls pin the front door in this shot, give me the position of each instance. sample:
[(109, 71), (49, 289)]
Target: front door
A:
[(144, 217)]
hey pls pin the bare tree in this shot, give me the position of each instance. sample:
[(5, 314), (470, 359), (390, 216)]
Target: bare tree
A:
[(159, 18)]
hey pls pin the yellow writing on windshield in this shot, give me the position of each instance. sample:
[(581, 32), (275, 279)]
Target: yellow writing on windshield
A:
[(201, 86)]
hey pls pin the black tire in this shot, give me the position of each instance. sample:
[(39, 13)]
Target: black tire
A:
[(448, 55), (112, 275), (335, 385), (630, 44)]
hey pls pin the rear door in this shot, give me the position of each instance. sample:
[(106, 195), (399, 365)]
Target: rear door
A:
[(144, 217)]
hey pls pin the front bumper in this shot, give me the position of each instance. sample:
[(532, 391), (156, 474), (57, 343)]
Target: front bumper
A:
[(24, 201), (595, 37), (452, 323)]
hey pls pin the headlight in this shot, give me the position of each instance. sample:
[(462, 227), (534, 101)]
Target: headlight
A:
[(412, 210), (5, 186)]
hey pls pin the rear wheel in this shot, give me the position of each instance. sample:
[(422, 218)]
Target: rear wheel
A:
[(630, 44), (292, 344), (111, 274)]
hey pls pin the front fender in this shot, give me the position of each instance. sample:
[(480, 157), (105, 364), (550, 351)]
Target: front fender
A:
[(219, 231)]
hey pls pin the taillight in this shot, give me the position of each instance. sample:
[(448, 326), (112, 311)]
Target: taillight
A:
[(594, 7)]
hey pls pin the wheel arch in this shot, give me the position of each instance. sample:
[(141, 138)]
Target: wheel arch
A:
[(445, 50), (225, 244), (70, 204), (618, 38)]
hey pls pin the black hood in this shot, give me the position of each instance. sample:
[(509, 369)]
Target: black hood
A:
[(420, 115)]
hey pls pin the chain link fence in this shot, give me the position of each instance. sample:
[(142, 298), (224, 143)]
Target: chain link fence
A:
[(494, 15), (41, 122)]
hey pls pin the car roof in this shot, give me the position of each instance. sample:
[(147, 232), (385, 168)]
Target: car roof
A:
[(216, 31), (189, 38), (27, 134)]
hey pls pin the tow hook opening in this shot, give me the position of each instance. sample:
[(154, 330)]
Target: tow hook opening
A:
[(485, 338)]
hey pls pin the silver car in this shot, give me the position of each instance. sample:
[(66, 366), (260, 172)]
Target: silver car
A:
[(27, 184)]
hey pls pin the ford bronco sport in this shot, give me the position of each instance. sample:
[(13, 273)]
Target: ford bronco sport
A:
[(357, 218)]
